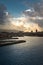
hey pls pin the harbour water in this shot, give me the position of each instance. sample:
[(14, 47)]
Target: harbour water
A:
[(28, 53)]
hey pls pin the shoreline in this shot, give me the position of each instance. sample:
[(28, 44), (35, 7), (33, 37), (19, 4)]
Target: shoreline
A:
[(11, 42)]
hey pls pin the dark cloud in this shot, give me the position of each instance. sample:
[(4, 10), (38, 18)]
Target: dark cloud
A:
[(38, 7), (38, 11), (37, 21), (2, 7), (4, 15), (30, 13)]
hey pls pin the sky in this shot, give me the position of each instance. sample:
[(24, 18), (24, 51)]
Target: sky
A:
[(23, 15)]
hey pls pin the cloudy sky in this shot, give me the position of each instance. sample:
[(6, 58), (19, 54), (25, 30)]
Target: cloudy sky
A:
[(23, 15)]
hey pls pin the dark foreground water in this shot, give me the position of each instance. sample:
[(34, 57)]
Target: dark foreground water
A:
[(29, 53)]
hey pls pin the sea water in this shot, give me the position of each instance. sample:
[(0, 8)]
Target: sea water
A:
[(28, 53)]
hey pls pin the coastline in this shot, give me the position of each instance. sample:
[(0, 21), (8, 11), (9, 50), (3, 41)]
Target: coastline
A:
[(11, 42)]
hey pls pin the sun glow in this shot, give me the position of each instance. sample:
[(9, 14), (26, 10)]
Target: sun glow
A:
[(17, 23), (24, 24)]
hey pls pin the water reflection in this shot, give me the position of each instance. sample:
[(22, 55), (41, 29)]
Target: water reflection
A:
[(29, 53)]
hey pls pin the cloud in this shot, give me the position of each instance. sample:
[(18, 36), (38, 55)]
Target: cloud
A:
[(38, 7), (2, 13), (30, 19), (34, 13)]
